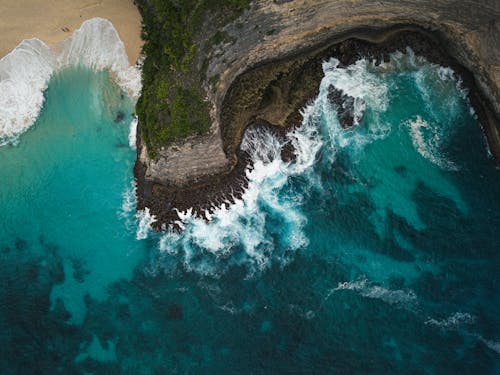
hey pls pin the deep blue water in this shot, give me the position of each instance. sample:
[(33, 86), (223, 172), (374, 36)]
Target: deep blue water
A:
[(375, 252)]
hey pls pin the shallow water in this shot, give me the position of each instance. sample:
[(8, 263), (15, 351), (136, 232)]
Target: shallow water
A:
[(375, 252)]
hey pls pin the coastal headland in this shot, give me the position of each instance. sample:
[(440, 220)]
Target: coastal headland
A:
[(265, 65), (214, 68)]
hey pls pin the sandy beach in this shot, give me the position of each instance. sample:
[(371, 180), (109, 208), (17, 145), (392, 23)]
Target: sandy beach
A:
[(52, 21)]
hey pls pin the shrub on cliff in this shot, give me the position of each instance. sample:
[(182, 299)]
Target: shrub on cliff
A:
[(171, 106)]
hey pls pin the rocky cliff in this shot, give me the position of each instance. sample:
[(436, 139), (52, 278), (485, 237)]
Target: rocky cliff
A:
[(268, 64)]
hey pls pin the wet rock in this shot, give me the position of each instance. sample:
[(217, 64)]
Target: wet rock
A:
[(288, 153), (344, 104)]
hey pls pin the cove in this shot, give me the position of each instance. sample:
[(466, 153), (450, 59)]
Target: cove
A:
[(374, 251)]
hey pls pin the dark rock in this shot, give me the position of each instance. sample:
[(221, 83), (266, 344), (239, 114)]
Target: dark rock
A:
[(175, 312), (119, 116), (274, 93), (401, 170), (79, 270), (288, 153), (60, 312), (56, 271), (344, 105), (20, 244), (32, 272)]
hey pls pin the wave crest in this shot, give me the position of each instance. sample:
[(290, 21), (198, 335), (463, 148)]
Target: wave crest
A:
[(25, 72)]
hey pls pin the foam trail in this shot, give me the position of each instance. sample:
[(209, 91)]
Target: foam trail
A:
[(25, 72), (427, 140), (453, 321), (366, 289)]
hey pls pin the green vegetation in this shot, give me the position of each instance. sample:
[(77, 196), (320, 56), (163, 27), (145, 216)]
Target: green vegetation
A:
[(171, 106)]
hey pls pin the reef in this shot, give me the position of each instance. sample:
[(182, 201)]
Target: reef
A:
[(268, 66)]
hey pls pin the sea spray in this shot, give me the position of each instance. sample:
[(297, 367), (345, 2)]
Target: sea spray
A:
[(241, 233)]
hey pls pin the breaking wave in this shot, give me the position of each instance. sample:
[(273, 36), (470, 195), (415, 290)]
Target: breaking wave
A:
[(144, 222), (266, 225), (245, 233), (25, 72)]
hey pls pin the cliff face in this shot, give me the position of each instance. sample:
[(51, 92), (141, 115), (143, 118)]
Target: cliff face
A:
[(267, 65)]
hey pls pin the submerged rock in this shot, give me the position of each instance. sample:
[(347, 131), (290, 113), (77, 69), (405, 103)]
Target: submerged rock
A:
[(175, 312), (119, 116)]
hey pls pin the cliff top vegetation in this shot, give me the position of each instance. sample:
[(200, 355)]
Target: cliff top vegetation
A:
[(175, 32)]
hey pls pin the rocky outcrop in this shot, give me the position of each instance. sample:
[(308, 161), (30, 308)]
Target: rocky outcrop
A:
[(269, 65)]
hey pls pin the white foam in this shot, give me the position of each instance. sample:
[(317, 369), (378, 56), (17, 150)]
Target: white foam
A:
[(128, 202), (238, 233), (427, 140), (23, 77), (453, 321), (96, 44), (145, 219), (132, 135), (357, 80), (25, 72), (368, 290), (368, 90)]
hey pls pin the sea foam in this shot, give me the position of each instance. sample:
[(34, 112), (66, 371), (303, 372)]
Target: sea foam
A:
[(241, 233), (25, 72), (427, 140), (369, 290)]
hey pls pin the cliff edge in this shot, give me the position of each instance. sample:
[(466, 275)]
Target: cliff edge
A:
[(264, 65)]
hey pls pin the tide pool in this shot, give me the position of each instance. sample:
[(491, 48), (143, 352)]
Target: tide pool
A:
[(376, 251)]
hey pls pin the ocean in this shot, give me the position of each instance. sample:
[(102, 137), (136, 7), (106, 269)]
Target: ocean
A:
[(375, 251)]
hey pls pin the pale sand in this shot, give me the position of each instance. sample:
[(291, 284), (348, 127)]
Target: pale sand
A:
[(47, 20)]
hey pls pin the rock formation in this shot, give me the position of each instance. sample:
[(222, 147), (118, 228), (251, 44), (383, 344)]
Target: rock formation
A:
[(270, 65)]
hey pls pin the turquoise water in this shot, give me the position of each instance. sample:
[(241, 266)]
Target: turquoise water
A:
[(376, 251)]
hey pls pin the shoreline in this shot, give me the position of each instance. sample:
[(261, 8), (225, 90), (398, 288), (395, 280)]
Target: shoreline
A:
[(27, 69), (376, 44), (53, 22)]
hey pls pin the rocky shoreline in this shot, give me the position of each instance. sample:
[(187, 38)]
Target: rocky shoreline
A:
[(272, 94)]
